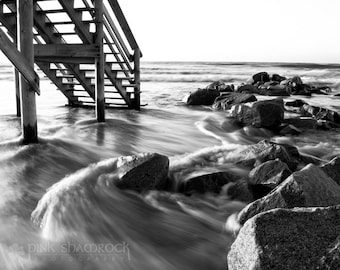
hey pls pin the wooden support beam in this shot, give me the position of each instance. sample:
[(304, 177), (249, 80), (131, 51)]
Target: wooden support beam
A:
[(90, 51), (25, 44), (100, 61), (19, 60), (137, 56)]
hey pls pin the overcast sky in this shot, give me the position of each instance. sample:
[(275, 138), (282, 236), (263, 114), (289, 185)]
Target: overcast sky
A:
[(236, 30)]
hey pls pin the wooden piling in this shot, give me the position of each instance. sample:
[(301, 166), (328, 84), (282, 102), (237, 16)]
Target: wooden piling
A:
[(137, 55), (27, 93), (17, 85), (99, 62)]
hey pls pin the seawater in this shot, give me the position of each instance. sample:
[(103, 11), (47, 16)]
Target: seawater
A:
[(87, 225)]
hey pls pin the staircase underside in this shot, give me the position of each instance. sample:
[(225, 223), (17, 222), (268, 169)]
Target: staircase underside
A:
[(65, 50)]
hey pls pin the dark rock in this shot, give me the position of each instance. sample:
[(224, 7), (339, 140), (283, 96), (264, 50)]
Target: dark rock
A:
[(278, 78), (207, 183), (238, 191), (220, 86), (248, 89), (278, 90), (302, 123), (142, 172), (225, 101), (296, 81), (266, 113), (320, 113), (296, 103), (265, 150), (202, 97), (261, 77), (309, 187), (290, 130), (281, 239), (267, 176), (332, 168)]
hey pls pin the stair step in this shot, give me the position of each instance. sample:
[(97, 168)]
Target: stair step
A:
[(49, 11), (67, 22)]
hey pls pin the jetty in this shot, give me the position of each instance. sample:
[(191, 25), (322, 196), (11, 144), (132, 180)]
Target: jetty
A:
[(85, 47)]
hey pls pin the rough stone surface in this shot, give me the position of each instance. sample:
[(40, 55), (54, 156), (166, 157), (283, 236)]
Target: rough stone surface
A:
[(266, 113), (207, 183), (332, 168), (220, 86), (278, 78), (320, 113), (267, 176), (261, 77), (202, 97), (281, 239), (248, 89), (277, 90), (309, 187), (290, 130), (145, 172), (225, 101), (266, 150)]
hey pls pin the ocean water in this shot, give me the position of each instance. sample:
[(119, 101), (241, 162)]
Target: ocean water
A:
[(80, 223)]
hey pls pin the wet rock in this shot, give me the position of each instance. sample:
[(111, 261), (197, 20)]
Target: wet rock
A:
[(265, 150), (238, 191), (278, 90), (261, 77), (225, 101), (296, 81), (290, 130), (332, 168), (212, 182), (142, 172), (302, 123), (296, 103), (266, 113), (281, 239), (267, 176), (320, 113), (309, 187), (248, 89), (220, 86), (202, 97), (278, 78)]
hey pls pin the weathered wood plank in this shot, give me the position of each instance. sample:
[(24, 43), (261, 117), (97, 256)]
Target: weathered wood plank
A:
[(67, 50)]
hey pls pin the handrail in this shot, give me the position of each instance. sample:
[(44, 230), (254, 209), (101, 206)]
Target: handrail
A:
[(124, 24)]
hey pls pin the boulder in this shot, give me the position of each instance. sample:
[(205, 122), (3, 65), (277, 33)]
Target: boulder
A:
[(142, 172), (202, 97), (296, 81), (266, 113), (302, 123), (238, 191), (332, 168), (278, 90), (266, 150), (267, 176), (282, 239), (261, 77), (220, 86), (296, 103), (225, 101), (309, 187), (212, 182), (320, 113), (290, 130), (248, 89), (278, 78)]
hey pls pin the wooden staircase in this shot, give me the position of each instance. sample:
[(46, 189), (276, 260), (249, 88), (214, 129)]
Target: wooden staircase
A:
[(66, 49)]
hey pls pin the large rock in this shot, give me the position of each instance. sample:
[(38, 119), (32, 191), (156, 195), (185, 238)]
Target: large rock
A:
[(266, 113), (142, 172), (212, 182), (281, 239), (261, 77), (278, 90), (202, 97), (309, 187), (278, 78), (225, 101), (266, 150), (332, 168), (320, 113), (220, 86), (248, 89), (267, 176), (302, 123)]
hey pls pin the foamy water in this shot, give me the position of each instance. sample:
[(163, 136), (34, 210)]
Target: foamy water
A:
[(82, 223)]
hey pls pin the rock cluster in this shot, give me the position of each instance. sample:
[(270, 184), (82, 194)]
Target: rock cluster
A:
[(293, 219)]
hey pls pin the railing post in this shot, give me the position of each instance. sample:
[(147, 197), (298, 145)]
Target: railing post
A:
[(27, 93), (136, 58), (99, 62), (17, 83)]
